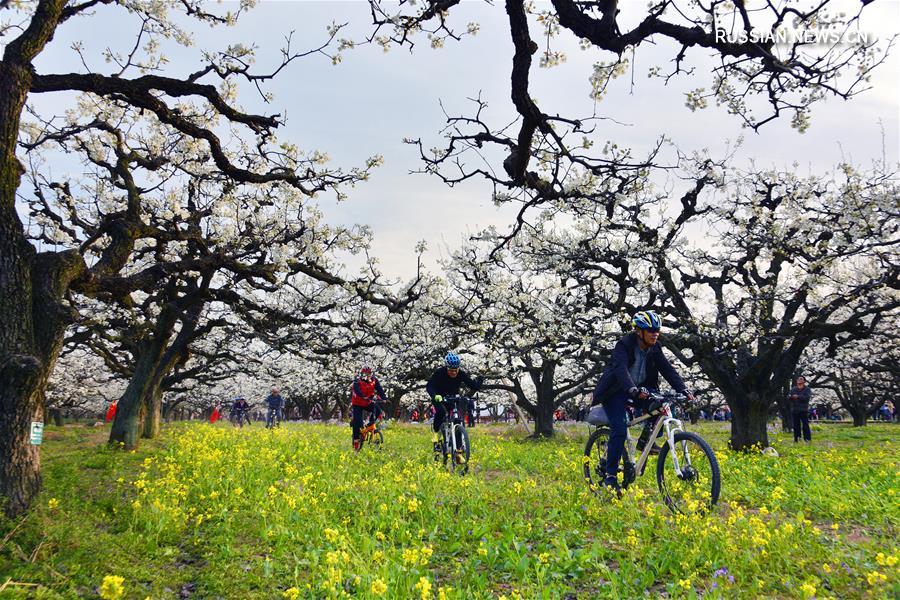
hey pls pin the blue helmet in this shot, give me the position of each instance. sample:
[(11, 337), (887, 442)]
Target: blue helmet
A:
[(647, 319), (452, 360)]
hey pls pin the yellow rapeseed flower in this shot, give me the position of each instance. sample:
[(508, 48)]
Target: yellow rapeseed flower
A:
[(410, 556), (112, 588), (379, 587), (808, 589), (874, 577), (424, 587)]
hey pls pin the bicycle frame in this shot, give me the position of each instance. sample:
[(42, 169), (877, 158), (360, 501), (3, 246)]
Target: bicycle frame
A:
[(452, 423), (369, 430), (663, 420)]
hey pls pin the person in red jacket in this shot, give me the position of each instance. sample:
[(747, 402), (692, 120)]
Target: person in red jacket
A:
[(365, 393)]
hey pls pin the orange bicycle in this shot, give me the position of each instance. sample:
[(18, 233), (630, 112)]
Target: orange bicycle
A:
[(371, 434)]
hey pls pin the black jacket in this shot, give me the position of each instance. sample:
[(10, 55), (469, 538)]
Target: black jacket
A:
[(616, 377), (800, 404), (442, 384)]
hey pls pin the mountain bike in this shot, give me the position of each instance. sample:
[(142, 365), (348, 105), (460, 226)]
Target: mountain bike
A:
[(454, 443), (273, 418), (239, 417), (687, 471), (372, 434)]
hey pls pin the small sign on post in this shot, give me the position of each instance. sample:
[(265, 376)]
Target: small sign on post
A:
[(37, 433)]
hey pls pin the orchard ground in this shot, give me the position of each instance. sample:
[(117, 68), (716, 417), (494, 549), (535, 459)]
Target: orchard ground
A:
[(213, 512)]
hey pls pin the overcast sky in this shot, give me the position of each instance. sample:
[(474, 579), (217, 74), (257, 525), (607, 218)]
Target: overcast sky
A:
[(369, 102)]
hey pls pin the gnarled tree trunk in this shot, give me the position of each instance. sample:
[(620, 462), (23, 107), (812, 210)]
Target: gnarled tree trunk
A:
[(134, 403), (32, 286), (749, 416)]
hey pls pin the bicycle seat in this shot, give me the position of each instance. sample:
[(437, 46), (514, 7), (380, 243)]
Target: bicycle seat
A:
[(597, 416)]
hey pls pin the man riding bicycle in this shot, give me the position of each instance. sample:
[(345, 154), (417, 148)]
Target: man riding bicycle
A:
[(446, 381), (275, 402), (637, 362), (239, 410), (365, 392)]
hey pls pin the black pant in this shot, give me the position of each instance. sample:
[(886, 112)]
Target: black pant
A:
[(802, 417), (356, 419)]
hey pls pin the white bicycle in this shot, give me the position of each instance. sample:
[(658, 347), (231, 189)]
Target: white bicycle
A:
[(454, 444), (687, 471)]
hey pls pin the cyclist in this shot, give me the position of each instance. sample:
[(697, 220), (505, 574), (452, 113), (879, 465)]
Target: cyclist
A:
[(239, 410), (637, 362), (276, 405), (446, 381), (365, 393)]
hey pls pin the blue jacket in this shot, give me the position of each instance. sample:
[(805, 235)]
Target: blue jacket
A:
[(616, 377), (275, 401)]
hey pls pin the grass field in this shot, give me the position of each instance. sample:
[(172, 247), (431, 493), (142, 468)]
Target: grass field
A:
[(213, 512)]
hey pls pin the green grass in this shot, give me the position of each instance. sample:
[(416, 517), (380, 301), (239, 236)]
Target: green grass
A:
[(210, 512)]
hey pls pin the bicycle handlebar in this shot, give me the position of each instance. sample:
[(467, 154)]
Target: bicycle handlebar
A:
[(669, 398)]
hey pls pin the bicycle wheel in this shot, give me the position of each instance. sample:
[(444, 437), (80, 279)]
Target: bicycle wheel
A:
[(696, 489), (376, 439), (458, 460), (594, 461)]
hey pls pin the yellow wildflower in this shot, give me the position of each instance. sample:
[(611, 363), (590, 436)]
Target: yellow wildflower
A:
[(808, 589), (291, 593), (53, 504), (112, 588), (874, 577), (410, 556), (424, 587), (685, 583), (379, 587)]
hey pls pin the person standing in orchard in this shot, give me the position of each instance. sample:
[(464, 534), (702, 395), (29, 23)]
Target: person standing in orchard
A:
[(799, 397)]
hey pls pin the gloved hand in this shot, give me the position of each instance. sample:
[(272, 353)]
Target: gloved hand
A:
[(641, 393)]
